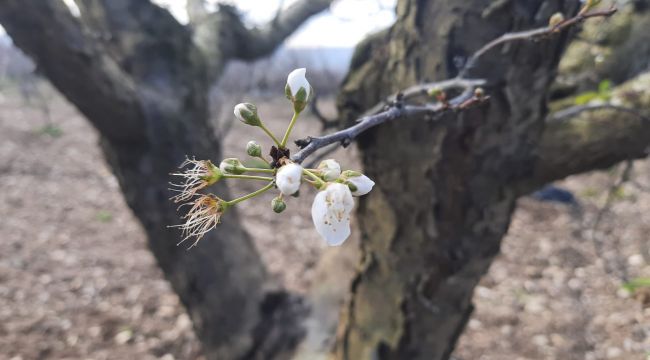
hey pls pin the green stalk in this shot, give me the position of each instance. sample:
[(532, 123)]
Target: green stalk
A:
[(247, 177), (288, 132), (251, 195), (270, 171), (318, 180), (270, 134)]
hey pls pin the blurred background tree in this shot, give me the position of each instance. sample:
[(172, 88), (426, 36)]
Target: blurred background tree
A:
[(445, 190)]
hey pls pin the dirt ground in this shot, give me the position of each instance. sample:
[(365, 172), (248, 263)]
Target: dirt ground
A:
[(77, 281)]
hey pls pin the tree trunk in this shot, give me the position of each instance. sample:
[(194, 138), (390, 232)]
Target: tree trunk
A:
[(444, 195), (146, 92)]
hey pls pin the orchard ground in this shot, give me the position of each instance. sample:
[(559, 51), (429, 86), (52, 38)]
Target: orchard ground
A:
[(77, 280)]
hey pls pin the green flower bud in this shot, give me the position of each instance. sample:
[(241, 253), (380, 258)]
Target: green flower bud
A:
[(247, 113), (298, 89), (232, 166), (253, 149), (278, 205)]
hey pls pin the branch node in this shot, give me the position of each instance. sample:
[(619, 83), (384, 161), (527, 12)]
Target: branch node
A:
[(302, 143)]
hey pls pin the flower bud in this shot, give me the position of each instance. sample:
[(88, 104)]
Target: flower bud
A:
[(555, 20), (247, 113), (288, 178), (232, 166), (298, 89), (253, 149), (330, 169), (278, 204), (358, 183)]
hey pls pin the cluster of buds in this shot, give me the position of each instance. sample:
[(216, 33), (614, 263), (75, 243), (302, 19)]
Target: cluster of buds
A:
[(331, 207)]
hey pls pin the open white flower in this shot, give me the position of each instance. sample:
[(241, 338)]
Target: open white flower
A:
[(331, 213), (361, 183), (288, 178), (330, 169), (297, 80)]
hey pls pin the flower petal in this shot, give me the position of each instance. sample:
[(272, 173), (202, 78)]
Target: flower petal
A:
[(362, 183), (330, 213), (297, 80)]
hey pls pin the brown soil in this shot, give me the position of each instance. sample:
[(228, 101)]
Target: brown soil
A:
[(77, 281)]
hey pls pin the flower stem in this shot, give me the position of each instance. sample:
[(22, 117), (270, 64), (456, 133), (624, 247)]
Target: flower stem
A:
[(270, 171), (318, 180), (288, 132), (247, 177), (263, 159), (270, 134), (251, 195)]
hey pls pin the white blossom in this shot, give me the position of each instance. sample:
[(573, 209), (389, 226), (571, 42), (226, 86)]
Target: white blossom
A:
[(288, 178), (362, 183), (331, 213), (330, 169), (297, 80)]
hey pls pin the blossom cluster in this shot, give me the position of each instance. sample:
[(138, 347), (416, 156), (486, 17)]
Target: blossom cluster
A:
[(331, 207)]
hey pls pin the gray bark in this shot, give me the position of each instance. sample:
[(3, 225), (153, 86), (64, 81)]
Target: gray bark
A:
[(443, 198)]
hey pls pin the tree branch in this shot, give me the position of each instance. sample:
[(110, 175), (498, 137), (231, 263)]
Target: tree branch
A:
[(75, 64), (397, 110), (264, 40), (595, 137), (222, 35), (532, 35)]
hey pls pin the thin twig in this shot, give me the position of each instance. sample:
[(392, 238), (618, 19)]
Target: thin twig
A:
[(310, 144), (576, 110), (467, 85), (531, 35)]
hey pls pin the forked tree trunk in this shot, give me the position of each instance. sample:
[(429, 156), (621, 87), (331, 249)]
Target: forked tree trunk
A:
[(444, 194), (146, 92)]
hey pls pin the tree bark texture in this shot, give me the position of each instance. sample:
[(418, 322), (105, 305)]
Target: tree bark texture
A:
[(444, 194), (136, 74)]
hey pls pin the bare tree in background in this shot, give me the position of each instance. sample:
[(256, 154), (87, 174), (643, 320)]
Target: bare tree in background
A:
[(445, 190)]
